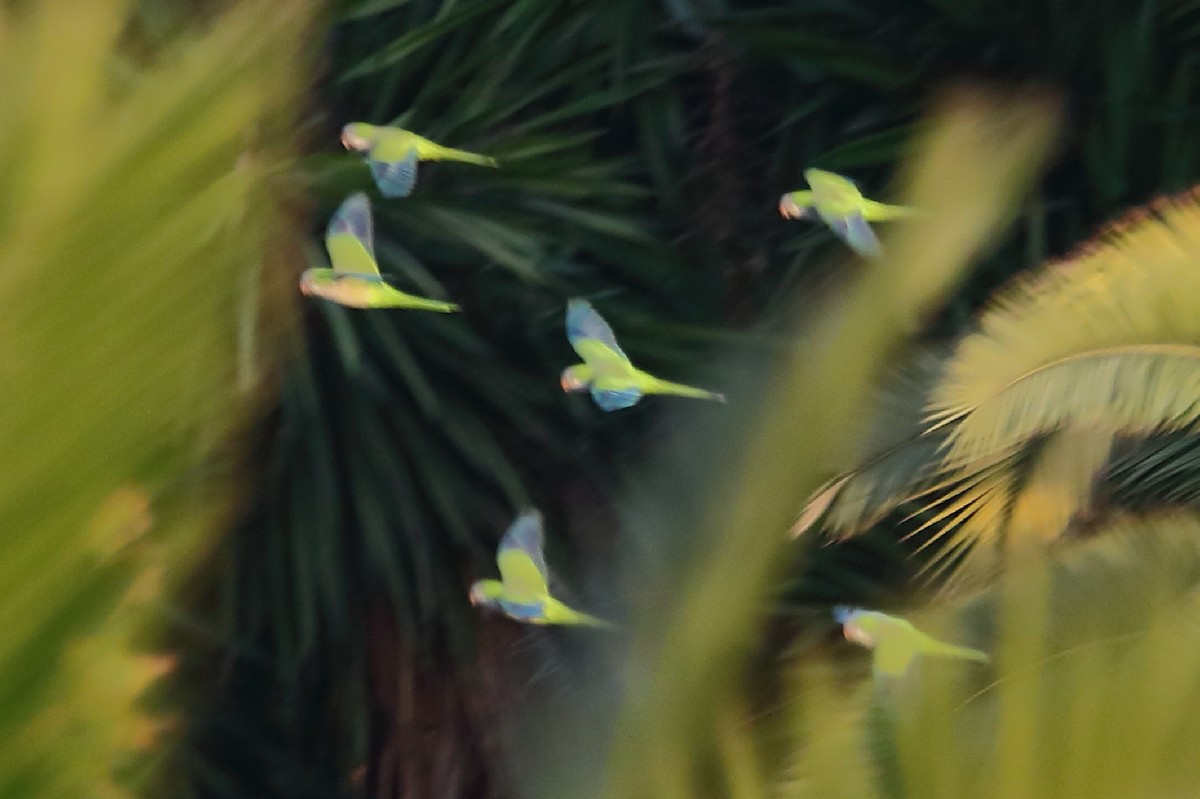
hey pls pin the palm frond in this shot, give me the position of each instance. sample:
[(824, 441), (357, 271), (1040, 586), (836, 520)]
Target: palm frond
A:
[(896, 457), (1108, 337)]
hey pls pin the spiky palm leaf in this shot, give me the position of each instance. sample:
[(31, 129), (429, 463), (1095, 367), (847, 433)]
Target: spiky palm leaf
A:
[(1107, 337)]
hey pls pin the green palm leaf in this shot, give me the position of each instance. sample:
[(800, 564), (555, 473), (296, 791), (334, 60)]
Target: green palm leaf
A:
[(1110, 337)]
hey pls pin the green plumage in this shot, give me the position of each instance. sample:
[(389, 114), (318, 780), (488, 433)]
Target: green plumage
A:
[(839, 203), (523, 591), (393, 154), (606, 370), (896, 643), (354, 279)]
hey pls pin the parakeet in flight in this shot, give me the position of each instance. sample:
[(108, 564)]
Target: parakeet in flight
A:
[(839, 204), (606, 371), (354, 280), (523, 591), (393, 153), (895, 642)]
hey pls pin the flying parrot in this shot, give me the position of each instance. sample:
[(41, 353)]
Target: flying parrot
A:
[(606, 371), (523, 591), (393, 153), (354, 280), (839, 204), (895, 641)]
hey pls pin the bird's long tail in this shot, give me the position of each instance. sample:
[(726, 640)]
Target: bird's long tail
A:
[(656, 386), (424, 304), (951, 651), (450, 154), (585, 620), (882, 212), (558, 613)]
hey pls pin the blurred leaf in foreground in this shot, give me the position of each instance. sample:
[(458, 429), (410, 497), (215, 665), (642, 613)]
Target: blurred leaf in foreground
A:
[(123, 275)]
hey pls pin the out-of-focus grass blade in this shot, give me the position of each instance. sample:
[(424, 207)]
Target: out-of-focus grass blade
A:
[(124, 241), (693, 627)]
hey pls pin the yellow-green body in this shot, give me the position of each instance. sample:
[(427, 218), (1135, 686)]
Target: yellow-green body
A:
[(523, 592), (606, 371), (393, 154), (840, 205), (354, 291), (896, 643), (385, 143), (354, 279)]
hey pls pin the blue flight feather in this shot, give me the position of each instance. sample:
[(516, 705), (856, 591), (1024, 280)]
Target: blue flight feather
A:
[(583, 322), (842, 613), (525, 534), (610, 400), (353, 216), (395, 179), (855, 231), (524, 611)]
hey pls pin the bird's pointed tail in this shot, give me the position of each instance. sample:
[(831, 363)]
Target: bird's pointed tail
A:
[(940, 649), (450, 154), (586, 620), (423, 304), (882, 212), (558, 613), (657, 386)]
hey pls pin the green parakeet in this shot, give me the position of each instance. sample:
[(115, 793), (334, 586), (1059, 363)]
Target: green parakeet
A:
[(606, 371), (894, 641), (839, 204), (354, 280), (523, 591), (393, 153)]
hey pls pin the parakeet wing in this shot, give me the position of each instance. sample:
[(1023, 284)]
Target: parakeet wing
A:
[(395, 178), (610, 400), (830, 186), (855, 231), (522, 564), (350, 238), (585, 324), (893, 656)]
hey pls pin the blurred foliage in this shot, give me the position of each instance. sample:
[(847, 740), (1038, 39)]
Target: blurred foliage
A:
[(125, 244), (1094, 670)]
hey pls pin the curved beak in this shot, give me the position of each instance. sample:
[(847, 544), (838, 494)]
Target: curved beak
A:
[(788, 208), (352, 142), (857, 635), (570, 382)]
